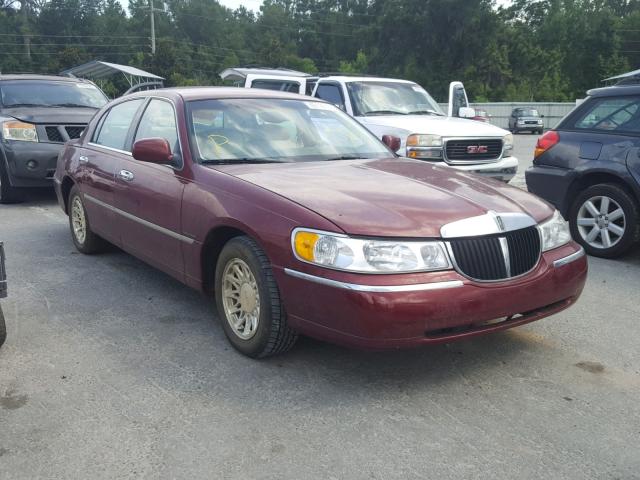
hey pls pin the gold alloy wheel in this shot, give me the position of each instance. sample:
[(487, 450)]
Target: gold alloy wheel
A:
[(240, 298), (78, 220)]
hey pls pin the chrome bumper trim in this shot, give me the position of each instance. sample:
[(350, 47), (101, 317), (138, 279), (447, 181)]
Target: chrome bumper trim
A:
[(356, 287), (570, 258)]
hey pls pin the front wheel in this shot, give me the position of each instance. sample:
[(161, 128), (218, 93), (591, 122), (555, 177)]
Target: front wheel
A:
[(83, 237), (3, 328), (8, 194), (248, 301), (604, 220)]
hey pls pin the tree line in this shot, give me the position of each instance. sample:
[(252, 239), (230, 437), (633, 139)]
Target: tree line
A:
[(523, 50)]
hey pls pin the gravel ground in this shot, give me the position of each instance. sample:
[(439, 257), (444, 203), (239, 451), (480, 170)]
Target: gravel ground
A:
[(114, 370)]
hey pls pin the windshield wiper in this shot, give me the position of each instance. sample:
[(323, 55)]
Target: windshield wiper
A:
[(15, 105), (233, 161), (70, 105), (346, 157), (383, 112), (425, 112)]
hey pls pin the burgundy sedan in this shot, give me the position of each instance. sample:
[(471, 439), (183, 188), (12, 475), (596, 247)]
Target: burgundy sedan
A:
[(300, 221)]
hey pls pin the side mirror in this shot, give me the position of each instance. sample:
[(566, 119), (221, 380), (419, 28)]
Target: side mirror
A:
[(392, 142), (541, 116), (152, 150), (466, 112)]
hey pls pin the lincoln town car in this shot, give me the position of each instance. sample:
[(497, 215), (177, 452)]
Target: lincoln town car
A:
[(298, 220)]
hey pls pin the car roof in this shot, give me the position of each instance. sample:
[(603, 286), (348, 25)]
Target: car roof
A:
[(351, 78), (51, 78), (614, 91), (215, 93)]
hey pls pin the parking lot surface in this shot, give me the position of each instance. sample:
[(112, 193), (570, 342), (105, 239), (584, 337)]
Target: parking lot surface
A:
[(114, 370)]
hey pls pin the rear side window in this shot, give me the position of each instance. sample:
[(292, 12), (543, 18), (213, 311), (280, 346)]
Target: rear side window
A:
[(279, 85), (619, 114), (115, 127), (331, 93)]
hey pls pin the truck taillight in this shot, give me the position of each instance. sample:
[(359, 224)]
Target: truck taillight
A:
[(545, 142)]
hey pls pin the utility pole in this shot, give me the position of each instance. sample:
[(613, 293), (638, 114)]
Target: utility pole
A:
[(153, 30)]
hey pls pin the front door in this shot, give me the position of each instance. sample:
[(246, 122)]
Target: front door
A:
[(149, 196)]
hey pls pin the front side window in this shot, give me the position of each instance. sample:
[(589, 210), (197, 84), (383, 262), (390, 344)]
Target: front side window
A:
[(159, 121), (279, 85), (391, 98), (51, 94), (115, 126), (275, 130), (331, 93), (612, 114)]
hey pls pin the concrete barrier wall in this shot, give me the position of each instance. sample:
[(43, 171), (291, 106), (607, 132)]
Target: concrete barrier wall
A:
[(501, 111)]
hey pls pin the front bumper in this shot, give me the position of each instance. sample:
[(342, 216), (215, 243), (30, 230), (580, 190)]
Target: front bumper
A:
[(528, 127), (503, 169), (398, 311), (30, 164)]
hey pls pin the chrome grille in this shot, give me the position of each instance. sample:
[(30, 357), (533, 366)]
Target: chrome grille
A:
[(473, 150), (497, 257)]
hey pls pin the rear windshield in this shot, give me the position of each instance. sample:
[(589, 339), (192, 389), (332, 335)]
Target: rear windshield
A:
[(36, 93)]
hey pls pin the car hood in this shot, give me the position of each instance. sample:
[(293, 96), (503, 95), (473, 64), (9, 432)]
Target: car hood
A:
[(427, 124), (51, 115), (394, 197)]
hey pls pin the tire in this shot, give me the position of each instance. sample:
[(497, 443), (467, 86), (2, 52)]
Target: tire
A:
[(3, 328), (541, 131), (268, 333), (83, 237), (8, 194), (605, 231)]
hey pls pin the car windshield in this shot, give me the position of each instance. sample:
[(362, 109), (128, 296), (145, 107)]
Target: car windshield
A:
[(528, 112), (35, 93), (269, 130), (391, 98)]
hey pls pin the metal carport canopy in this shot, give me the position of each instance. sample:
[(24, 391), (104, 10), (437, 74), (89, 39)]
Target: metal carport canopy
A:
[(97, 69)]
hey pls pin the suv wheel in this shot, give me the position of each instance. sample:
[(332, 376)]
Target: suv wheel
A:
[(3, 328), (8, 194), (604, 220), (248, 301)]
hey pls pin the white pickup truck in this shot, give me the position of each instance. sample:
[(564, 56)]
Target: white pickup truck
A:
[(402, 109)]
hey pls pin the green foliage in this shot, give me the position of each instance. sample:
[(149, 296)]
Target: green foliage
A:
[(524, 50)]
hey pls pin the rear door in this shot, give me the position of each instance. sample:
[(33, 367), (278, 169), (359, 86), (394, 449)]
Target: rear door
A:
[(457, 99), (99, 161), (150, 195)]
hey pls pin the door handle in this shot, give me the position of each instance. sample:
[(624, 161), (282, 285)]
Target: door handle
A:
[(83, 159), (126, 175)]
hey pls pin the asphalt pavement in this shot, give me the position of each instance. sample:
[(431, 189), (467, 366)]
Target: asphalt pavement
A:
[(114, 370)]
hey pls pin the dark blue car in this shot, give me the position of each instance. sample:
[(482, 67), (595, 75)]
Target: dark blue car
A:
[(589, 168)]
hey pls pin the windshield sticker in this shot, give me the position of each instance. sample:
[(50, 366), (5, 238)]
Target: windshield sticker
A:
[(84, 85)]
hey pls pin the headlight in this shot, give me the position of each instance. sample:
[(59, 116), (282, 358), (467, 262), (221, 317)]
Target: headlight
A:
[(15, 130), (340, 252), (507, 144), (424, 146), (554, 232)]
